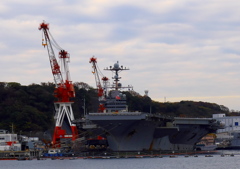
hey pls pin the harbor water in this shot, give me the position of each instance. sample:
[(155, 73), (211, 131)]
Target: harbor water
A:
[(215, 161)]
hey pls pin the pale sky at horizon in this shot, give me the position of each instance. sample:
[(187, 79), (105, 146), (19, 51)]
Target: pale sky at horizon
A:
[(176, 49)]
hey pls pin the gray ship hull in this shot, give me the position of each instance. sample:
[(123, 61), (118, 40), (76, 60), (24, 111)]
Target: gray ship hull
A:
[(185, 133), (165, 145), (125, 131), (141, 131)]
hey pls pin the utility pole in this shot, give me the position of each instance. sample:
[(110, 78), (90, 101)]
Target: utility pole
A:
[(12, 128), (84, 111)]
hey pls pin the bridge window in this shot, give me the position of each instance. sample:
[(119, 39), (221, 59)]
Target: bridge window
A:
[(236, 123)]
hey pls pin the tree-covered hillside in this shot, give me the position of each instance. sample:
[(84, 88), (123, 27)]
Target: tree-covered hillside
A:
[(179, 109), (31, 108)]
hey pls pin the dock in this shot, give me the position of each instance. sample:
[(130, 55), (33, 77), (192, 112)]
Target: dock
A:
[(19, 155)]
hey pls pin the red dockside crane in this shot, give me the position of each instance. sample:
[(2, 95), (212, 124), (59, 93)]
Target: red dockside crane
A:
[(64, 89), (102, 89)]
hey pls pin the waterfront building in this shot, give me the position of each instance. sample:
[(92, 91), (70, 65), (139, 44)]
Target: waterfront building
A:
[(232, 123)]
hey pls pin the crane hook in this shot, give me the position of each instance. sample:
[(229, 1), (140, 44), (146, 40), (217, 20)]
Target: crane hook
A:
[(43, 44)]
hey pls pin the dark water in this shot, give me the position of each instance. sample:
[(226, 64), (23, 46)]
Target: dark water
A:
[(179, 162)]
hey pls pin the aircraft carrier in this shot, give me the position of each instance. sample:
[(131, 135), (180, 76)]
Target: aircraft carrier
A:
[(139, 131)]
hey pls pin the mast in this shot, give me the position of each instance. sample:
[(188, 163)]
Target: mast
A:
[(116, 69)]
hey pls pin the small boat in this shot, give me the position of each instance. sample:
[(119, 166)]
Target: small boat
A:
[(208, 156), (172, 156), (21, 158), (73, 158)]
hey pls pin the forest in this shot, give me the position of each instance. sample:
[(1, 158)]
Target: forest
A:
[(25, 109)]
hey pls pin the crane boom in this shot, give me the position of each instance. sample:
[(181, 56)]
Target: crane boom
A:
[(97, 79), (58, 79), (101, 88)]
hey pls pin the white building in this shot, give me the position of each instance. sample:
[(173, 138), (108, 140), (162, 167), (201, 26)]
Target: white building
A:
[(9, 141), (232, 123)]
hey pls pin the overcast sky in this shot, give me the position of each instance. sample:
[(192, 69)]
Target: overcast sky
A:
[(176, 49)]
